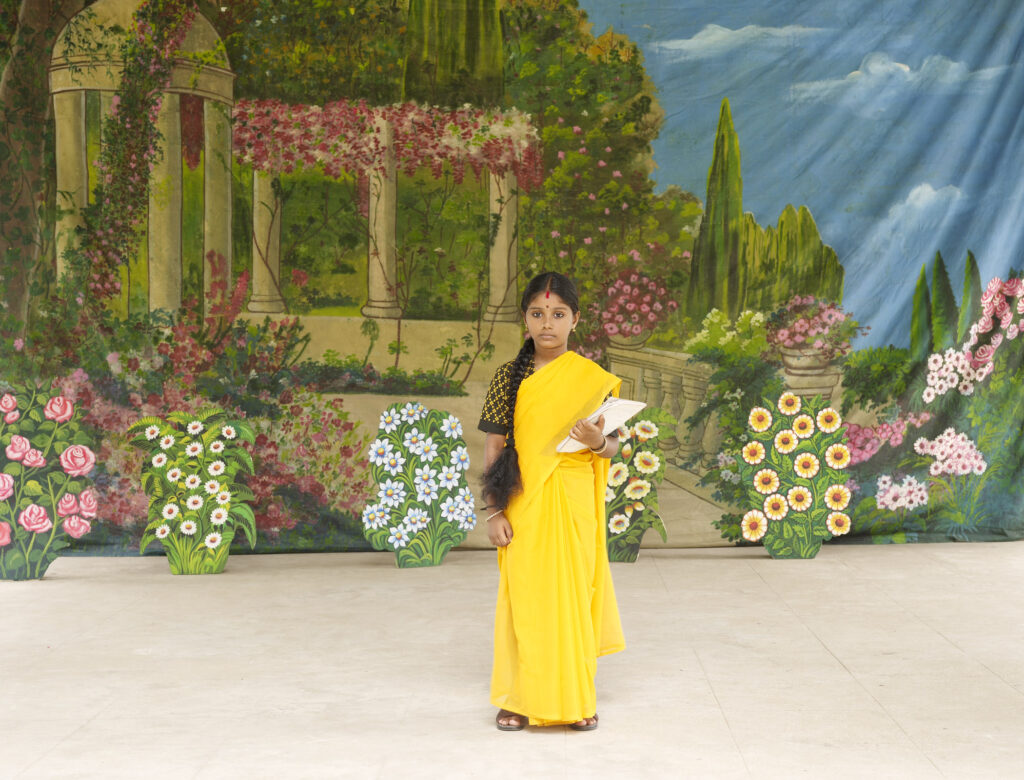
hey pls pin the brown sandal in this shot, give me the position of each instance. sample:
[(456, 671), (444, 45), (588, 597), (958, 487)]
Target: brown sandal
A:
[(584, 726), (523, 721)]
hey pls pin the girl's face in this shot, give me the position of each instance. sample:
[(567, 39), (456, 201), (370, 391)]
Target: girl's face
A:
[(550, 321)]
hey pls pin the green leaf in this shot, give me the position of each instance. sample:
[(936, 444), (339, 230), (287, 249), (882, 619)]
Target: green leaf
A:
[(13, 468), (32, 488)]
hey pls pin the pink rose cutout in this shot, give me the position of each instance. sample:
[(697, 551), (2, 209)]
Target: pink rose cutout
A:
[(8, 403), (77, 460), (88, 506), (6, 486), (59, 409), (35, 519), (5, 534), (18, 448), (34, 459), (77, 527), (67, 506)]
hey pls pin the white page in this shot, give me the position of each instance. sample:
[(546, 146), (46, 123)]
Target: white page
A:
[(616, 412)]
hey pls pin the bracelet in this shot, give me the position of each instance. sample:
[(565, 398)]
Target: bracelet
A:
[(603, 447), (494, 515)]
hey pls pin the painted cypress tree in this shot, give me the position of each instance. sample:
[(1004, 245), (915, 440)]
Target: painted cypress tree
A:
[(943, 308), (920, 321), (454, 53), (718, 273), (970, 301)]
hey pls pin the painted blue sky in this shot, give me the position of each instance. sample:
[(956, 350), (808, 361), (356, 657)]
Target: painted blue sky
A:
[(899, 124)]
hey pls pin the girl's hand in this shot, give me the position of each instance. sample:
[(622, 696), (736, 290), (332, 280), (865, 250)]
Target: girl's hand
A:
[(499, 530), (590, 433)]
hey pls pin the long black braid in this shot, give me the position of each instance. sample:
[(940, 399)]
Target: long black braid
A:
[(502, 479)]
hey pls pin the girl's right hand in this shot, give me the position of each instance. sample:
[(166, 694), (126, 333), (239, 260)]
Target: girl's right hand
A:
[(499, 530)]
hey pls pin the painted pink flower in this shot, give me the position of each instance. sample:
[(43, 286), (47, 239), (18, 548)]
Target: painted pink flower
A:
[(5, 534), (87, 503), (35, 519), (6, 486), (77, 527), (68, 505), (77, 460), (8, 403), (12, 417), (34, 459), (18, 448), (59, 409), (983, 354)]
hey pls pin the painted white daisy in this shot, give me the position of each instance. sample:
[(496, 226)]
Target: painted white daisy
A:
[(219, 516), (192, 481), (465, 497), (212, 487), (428, 451), (391, 493), (380, 451), (394, 463), (194, 502), (174, 475), (159, 460), (449, 477), (152, 432), (217, 447), (411, 412), (467, 522), (617, 474), (618, 523), (228, 432), (194, 427), (167, 442), (388, 421), (414, 441), (224, 497), (213, 540), (423, 476), (375, 516), (193, 448), (416, 519), (451, 427), (216, 468), (188, 527), (171, 511), (460, 458), (426, 492), (399, 536), (451, 510), (163, 531)]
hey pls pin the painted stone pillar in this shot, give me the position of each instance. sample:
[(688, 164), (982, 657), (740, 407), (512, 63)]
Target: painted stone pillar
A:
[(502, 305), (266, 246), (381, 249), (72, 169), (165, 211), (216, 189)]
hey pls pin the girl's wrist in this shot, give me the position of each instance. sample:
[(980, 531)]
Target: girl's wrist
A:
[(492, 516), (600, 450)]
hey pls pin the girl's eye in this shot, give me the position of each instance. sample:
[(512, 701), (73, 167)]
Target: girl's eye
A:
[(559, 314)]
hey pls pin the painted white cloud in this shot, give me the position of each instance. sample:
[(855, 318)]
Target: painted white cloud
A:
[(879, 76), (714, 40)]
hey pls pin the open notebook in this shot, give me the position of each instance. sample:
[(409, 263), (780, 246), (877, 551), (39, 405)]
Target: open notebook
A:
[(615, 410)]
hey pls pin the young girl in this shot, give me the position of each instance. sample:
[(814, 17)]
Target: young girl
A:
[(556, 609)]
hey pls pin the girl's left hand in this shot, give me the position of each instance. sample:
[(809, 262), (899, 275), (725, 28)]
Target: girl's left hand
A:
[(590, 433)]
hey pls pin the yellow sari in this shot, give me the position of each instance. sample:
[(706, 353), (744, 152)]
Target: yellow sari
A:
[(556, 610)]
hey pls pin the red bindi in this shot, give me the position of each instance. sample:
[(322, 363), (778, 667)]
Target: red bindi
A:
[(547, 293)]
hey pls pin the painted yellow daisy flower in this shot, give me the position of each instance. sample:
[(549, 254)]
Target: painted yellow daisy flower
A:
[(837, 456), (829, 420), (637, 488), (785, 441), (646, 462), (645, 430), (838, 523), (617, 474), (775, 507), (766, 481), (754, 525), (789, 403), (753, 452), (837, 497), (760, 419), (803, 426), (806, 465), (799, 498)]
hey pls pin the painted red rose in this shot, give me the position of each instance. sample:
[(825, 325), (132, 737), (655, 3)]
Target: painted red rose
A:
[(67, 506), (77, 460), (34, 459), (77, 527), (12, 417), (5, 534), (35, 519), (88, 506), (6, 486), (59, 409), (8, 403), (18, 448)]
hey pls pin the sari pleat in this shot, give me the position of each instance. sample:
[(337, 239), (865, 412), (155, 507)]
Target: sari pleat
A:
[(556, 610)]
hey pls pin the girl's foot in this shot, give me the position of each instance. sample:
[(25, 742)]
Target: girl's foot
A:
[(511, 721), (587, 724)]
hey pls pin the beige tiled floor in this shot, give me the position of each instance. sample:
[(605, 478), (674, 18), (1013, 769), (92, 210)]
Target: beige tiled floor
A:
[(876, 662)]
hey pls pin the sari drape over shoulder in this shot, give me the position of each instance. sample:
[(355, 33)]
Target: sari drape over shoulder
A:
[(556, 610)]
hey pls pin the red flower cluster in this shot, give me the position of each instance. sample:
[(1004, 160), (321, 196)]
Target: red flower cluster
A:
[(865, 441)]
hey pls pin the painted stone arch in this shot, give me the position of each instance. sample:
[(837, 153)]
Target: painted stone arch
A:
[(86, 59)]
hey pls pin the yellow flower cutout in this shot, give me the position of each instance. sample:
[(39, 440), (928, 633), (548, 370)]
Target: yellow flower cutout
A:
[(617, 474), (837, 497), (806, 465), (775, 507), (637, 488), (789, 403), (753, 452), (829, 420), (760, 419), (837, 456), (803, 426), (754, 525), (785, 441), (766, 481), (646, 462), (799, 498), (838, 523), (645, 430)]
